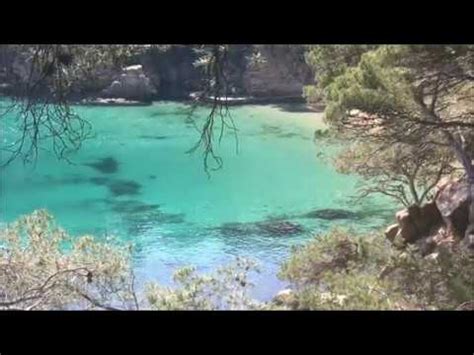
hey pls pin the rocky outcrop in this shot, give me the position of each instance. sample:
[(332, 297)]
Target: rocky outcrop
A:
[(170, 73), (443, 220), (132, 84), (416, 222), (282, 71), (453, 202)]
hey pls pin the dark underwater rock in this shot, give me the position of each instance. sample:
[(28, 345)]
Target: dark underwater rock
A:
[(99, 181), (153, 137), (124, 187), (278, 228), (107, 165), (133, 206), (331, 214), (270, 228)]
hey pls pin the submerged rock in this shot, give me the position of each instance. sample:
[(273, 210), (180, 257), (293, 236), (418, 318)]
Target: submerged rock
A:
[(272, 228), (133, 206), (153, 137), (277, 228), (108, 165), (124, 187), (99, 180), (331, 214), (141, 217)]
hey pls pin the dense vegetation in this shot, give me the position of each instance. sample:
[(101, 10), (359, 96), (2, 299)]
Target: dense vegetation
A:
[(406, 109), (42, 267)]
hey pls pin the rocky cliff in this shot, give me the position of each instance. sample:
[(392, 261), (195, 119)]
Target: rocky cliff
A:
[(281, 71), (170, 73), (443, 220)]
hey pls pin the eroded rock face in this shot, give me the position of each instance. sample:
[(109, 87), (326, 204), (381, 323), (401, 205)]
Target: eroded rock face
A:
[(469, 239), (415, 222), (391, 232), (282, 72), (172, 71), (442, 221), (453, 203), (132, 84)]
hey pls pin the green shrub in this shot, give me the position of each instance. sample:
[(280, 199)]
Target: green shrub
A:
[(341, 270), (42, 267), (225, 289)]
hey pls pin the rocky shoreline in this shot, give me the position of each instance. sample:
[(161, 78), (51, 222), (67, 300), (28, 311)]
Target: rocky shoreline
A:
[(112, 102), (172, 75), (247, 100)]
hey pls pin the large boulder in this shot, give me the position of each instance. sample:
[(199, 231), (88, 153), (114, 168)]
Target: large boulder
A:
[(416, 222), (453, 202), (132, 84)]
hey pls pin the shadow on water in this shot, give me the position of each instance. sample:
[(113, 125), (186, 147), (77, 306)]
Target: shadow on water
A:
[(107, 165)]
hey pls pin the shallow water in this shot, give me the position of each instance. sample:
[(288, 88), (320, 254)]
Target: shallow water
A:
[(135, 180)]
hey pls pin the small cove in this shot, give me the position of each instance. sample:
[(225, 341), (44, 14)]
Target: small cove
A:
[(134, 180)]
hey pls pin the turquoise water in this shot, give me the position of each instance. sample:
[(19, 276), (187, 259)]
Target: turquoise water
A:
[(134, 180)]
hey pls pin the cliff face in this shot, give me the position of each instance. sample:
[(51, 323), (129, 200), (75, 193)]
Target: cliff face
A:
[(132, 84), (171, 74), (172, 71), (282, 71)]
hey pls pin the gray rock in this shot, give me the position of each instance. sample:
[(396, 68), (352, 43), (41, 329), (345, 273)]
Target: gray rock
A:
[(132, 84), (416, 222), (453, 203)]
